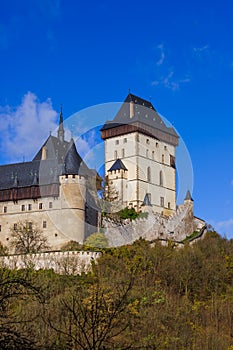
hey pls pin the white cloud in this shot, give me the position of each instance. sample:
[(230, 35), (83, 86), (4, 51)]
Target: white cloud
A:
[(201, 49), (26, 127), (162, 55), (169, 82), (224, 227)]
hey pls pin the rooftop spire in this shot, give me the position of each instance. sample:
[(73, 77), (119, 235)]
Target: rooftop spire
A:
[(60, 132)]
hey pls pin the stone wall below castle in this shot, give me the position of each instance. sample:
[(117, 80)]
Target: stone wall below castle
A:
[(69, 262)]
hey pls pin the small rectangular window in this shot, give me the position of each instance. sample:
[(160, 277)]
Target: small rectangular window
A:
[(115, 154), (123, 153), (15, 226), (117, 142), (169, 205), (44, 224), (29, 207), (40, 205), (50, 205), (4, 209), (147, 141), (125, 140), (0, 228), (162, 201), (22, 207)]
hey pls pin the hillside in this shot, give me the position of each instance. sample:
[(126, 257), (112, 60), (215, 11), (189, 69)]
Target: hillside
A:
[(137, 297)]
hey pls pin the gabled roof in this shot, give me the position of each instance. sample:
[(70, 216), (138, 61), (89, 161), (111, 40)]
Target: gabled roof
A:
[(118, 165), (145, 115), (139, 101), (55, 148), (61, 158)]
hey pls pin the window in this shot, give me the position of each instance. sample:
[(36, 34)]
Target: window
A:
[(122, 152), (157, 144), (66, 176), (172, 161), (165, 147), (169, 205), (115, 154), (40, 205), (125, 140), (0, 228), (162, 158), (148, 174), (147, 153), (162, 201), (44, 224), (153, 155), (73, 176), (161, 178), (4, 209), (15, 227), (50, 205), (22, 207), (117, 142), (147, 141), (29, 207)]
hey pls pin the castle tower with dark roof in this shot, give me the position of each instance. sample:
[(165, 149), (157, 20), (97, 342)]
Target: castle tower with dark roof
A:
[(49, 191), (137, 139)]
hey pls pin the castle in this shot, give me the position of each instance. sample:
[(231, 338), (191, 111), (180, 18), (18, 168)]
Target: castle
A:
[(51, 191), (55, 189)]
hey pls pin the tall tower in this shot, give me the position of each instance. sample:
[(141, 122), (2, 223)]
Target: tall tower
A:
[(146, 147)]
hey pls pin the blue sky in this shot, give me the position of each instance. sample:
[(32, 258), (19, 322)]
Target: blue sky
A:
[(178, 53)]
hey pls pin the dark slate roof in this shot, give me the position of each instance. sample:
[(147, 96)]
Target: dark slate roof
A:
[(118, 165), (62, 158), (188, 196), (55, 148), (73, 163), (29, 174), (146, 201), (144, 113)]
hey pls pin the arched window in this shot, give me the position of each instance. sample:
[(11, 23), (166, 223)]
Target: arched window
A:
[(162, 158), (153, 155), (148, 174), (147, 153), (161, 178), (115, 154)]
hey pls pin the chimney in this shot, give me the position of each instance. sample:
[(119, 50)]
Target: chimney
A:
[(131, 109), (44, 153)]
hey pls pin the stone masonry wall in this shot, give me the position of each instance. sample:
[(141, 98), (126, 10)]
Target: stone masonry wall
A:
[(175, 227), (70, 262)]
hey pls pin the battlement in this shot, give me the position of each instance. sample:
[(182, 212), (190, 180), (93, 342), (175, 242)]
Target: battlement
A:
[(69, 262)]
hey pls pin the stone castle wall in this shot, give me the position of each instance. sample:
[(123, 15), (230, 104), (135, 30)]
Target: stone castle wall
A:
[(70, 262), (156, 226)]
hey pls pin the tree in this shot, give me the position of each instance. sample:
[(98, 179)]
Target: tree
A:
[(26, 237), (98, 240), (3, 249)]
